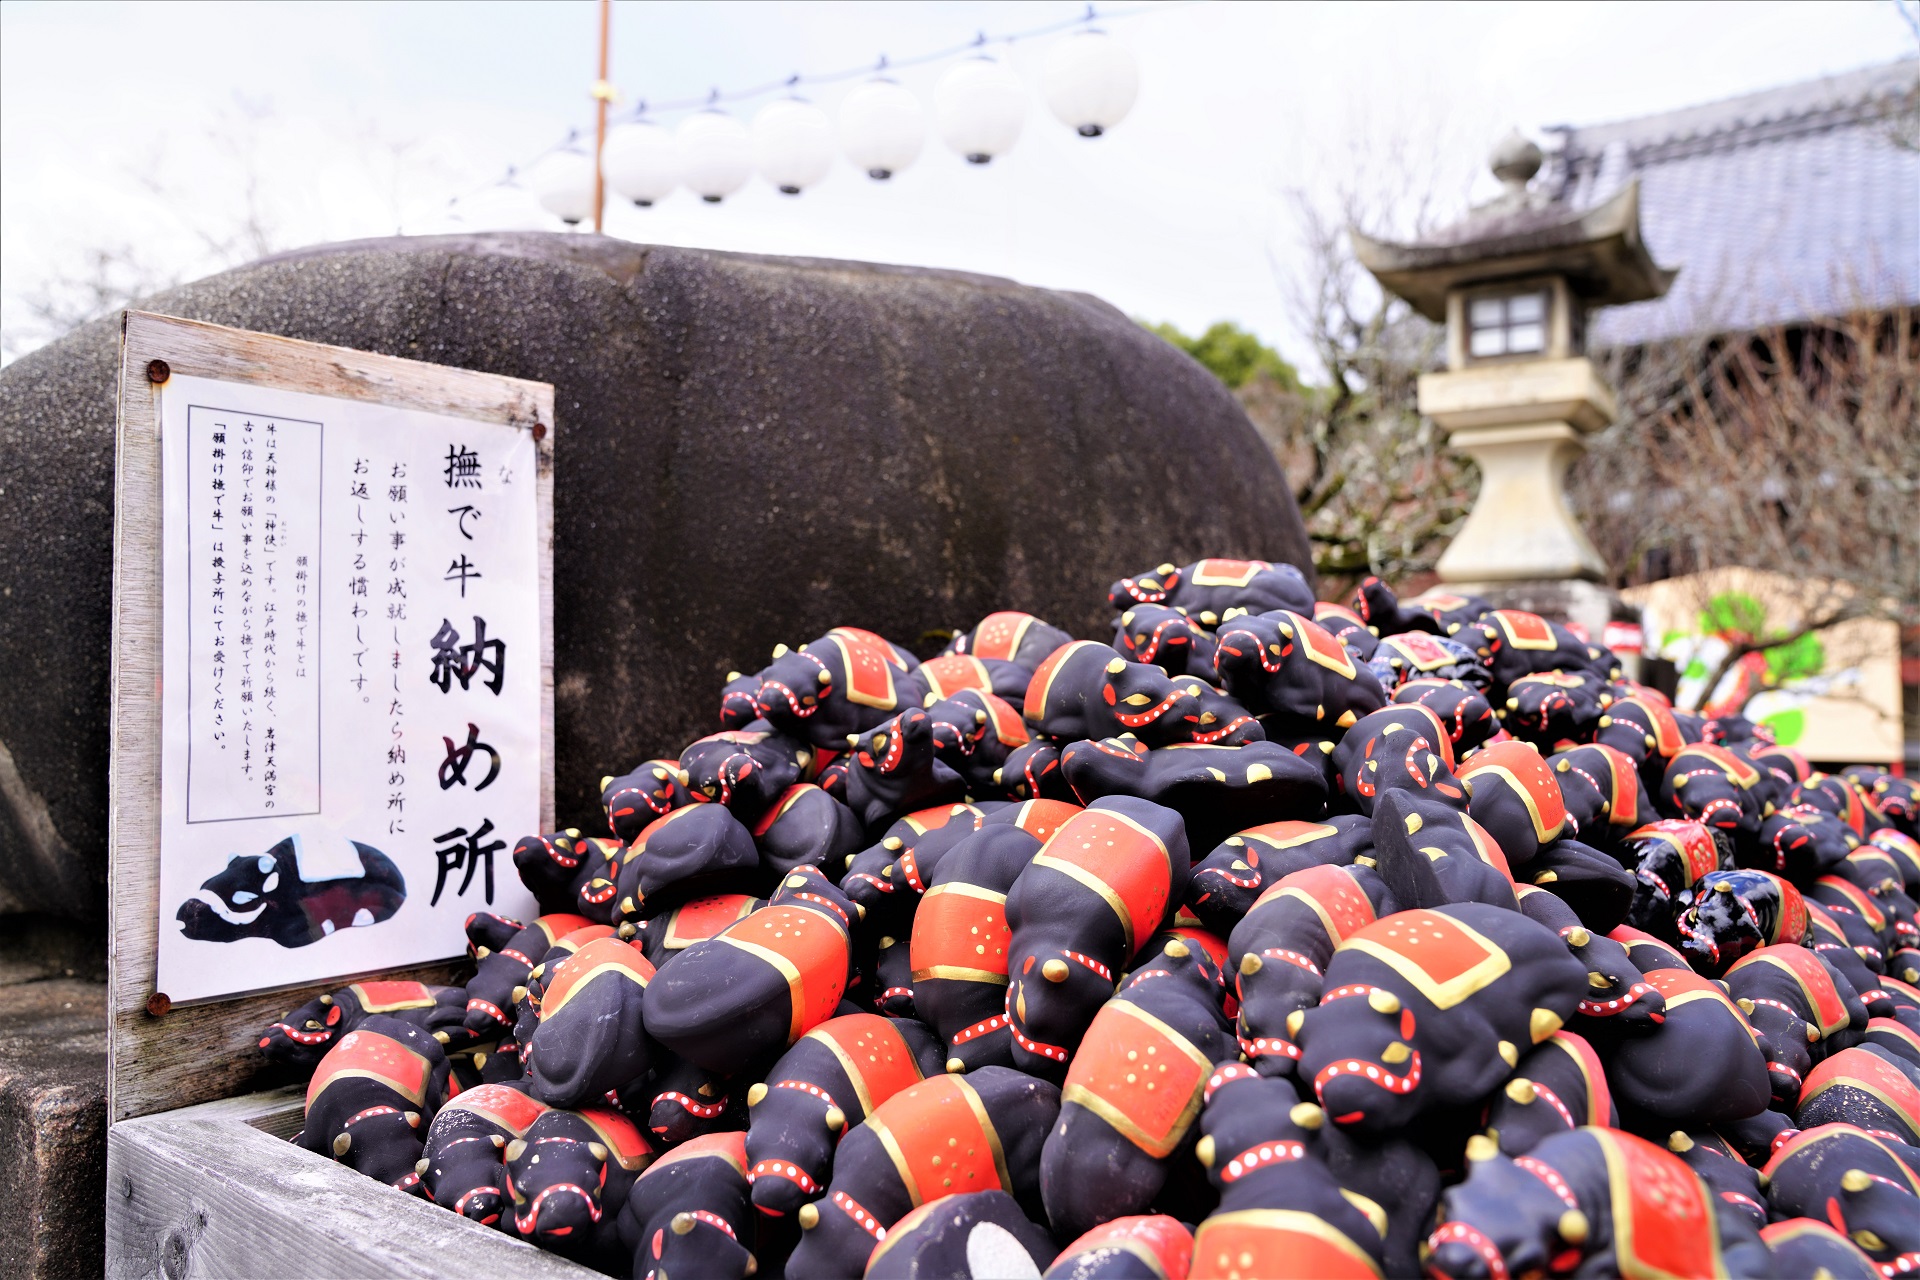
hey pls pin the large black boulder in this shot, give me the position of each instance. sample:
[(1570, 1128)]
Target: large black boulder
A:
[(750, 450)]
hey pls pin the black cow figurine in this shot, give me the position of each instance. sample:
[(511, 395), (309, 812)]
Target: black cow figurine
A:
[(688, 1214), (463, 1167), (371, 1098), (948, 1134), (1109, 879), (826, 1083), (1133, 1090), (1591, 1201)]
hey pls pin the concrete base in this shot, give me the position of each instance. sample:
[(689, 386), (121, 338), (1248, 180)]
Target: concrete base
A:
[(1520, 529), (53, 1098)]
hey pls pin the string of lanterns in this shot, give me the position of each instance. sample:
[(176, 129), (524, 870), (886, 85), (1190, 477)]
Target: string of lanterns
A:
[(1089, 82)]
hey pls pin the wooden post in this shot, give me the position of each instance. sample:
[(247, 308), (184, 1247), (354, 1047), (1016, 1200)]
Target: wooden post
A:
[(602, 93)]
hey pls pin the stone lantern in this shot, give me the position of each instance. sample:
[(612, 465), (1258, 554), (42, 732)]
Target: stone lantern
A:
[(1514, 283)]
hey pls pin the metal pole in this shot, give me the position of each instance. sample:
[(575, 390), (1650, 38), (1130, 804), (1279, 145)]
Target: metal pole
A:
[(602, 93)]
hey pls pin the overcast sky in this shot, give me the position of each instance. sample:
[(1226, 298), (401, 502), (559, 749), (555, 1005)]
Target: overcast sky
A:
[(366, 118)]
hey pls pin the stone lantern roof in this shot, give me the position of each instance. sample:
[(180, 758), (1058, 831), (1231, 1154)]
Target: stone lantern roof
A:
[(1523, 232)]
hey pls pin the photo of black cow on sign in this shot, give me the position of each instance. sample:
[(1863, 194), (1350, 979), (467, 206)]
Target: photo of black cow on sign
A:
[(268, 896)]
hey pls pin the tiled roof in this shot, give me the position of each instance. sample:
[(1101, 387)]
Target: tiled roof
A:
[(1797, 202)]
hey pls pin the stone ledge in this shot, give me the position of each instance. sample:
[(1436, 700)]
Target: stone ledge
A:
[(53, 1114)]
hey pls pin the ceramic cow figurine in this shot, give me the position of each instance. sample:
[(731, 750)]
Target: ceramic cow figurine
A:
[(1804, 1247), (1216, 790), (1715, 787), (1137, 1246), (1289, 669), (1643, 727), (761, 983), (739, 701), (876, 876), (973, 734), (1107, 880), (1560, 1085), (1133, 1091), (960, 944), (1515, 796), (848, 681), (1600, 787), (1666, 858), (1618, 997), (806, 827), (1346, 626), (1553, 708), (568, 1178), (1514, 644), (371, 1098), (1431, 1008), (1415, 656), (1167, 638), (1866, 1086), (1590, 1202), (961, 673), (1282, 1211), (746, 770), (830, 1080), (1864, 1185), (1227, 881), (689, 1101), (1398, 748), (462, 1167), (1281, 948), (1032, 772), (558, 866), (973, 1234), (694, 852), (688, 1215), (653, 790), (1802, 1006), (1657, 1075), (947, 1135), (1463, 711), (302, 1036), (676, 930), (1726, 914), (1217, 587), (490, 990), (1019, 638), (892, 769), (592, 1033)]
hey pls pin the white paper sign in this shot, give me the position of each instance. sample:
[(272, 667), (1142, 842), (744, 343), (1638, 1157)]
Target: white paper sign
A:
[(351, 690)]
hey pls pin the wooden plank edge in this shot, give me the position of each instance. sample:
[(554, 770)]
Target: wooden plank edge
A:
[(204, 1191)]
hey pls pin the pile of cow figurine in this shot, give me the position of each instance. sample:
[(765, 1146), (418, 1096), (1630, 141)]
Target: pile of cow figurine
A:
[(1273, 938)]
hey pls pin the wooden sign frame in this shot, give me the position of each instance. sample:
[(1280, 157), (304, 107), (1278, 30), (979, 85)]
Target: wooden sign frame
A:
[(160, 1058)]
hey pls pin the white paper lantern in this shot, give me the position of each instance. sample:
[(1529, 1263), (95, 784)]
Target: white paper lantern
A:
[(882, 128), (1090, 81), (642, 161), (563, 182), (792, 144), (715, 153), (980, 106)]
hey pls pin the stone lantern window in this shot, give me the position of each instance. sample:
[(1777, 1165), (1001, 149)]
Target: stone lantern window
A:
[(1507, 324)]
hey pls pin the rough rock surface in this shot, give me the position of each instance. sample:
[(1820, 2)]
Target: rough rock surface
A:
[(53, 1128), (749, 451)]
